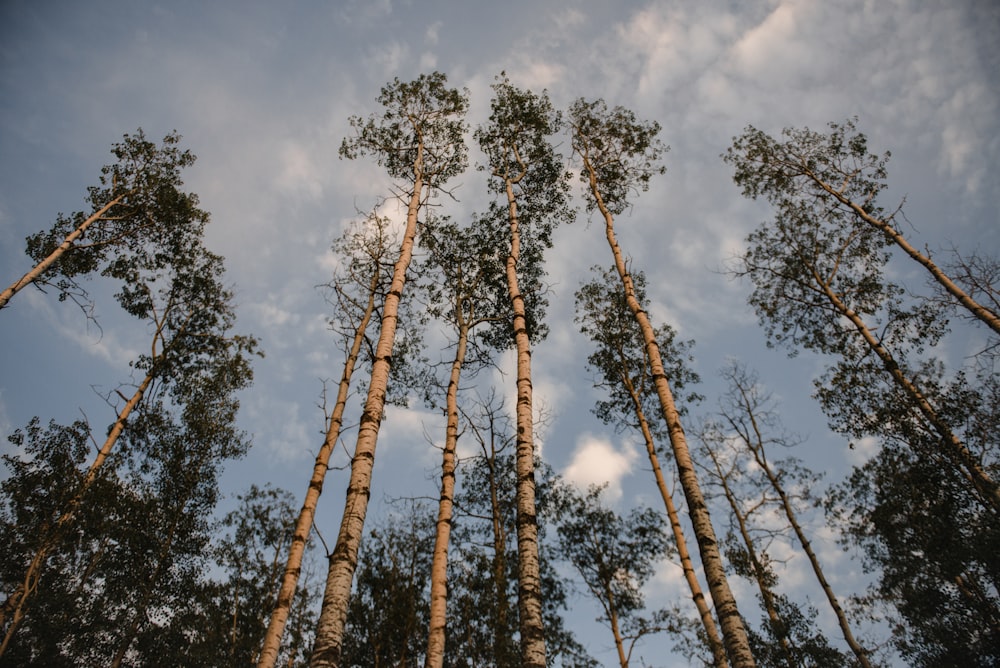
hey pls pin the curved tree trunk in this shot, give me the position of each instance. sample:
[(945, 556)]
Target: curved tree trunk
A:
[(67, 243), (733, 632), (293, 567), (759, 573), (344, 560)]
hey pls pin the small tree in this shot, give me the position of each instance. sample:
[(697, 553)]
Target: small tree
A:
[(614, 556)]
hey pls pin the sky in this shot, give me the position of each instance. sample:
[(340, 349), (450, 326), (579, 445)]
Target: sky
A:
[(262, 93)]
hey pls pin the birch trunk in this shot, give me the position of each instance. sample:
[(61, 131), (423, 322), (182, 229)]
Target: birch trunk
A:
[(704, 612), (984, 314), (67, 243), (344, 560), (303, 525), (988, 489), (439, 564), (529, 578), (733, 632), (757, 448)]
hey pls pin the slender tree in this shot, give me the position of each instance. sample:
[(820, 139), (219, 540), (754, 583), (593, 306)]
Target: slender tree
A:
[(418, 139), (618, 155), (138, 209), (838, 170), (358, 289), (527, 175), (191, 316), (623, 371), (747, 413), (467, 270)]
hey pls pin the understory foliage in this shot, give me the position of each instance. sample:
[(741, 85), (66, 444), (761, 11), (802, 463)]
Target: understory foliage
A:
[(115, 550)]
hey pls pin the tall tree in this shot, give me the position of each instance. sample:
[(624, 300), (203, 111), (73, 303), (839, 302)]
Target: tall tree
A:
[(618, 155), (820, 283), (359, 288), (467, 271), (838, 170), (419, 141), (528, 176), (141, 526), (138, 210), (623, 371), (191, 316), (614, 556)]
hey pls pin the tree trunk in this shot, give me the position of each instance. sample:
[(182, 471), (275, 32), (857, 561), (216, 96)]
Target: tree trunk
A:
[(766, 595), (14, 606), (439, 565), (704, 612), (344, 560), (733, 631), (988, 489), (529, 578), (67, 243), (986, 315), (293, 567)]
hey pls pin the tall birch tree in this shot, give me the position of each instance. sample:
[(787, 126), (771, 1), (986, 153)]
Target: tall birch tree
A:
[(358, 289), (618, 155), (191, 316), (622, 369), (467, 271), (418, 139), (838, 170), (527, 175)]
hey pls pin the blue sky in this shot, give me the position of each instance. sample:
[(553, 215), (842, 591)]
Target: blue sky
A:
[(262, 92)]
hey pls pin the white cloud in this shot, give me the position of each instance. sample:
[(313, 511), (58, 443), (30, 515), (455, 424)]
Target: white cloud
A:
[(597, 461)]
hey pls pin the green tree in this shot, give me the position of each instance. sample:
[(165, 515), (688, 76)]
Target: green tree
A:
[(419, 141), (837, 170), (528, 177), (191, 316), (388, 614), (623, 371), (137, 210), (614, 556), (618, 155), (249, 553)]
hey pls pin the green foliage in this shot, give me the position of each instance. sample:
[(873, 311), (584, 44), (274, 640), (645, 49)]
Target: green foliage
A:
[(518, 146), (623, 151), (153, 218), (388, 613), (420, 133), (620, 361)]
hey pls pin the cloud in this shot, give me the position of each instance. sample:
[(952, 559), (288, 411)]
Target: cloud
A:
[(596, 461)]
